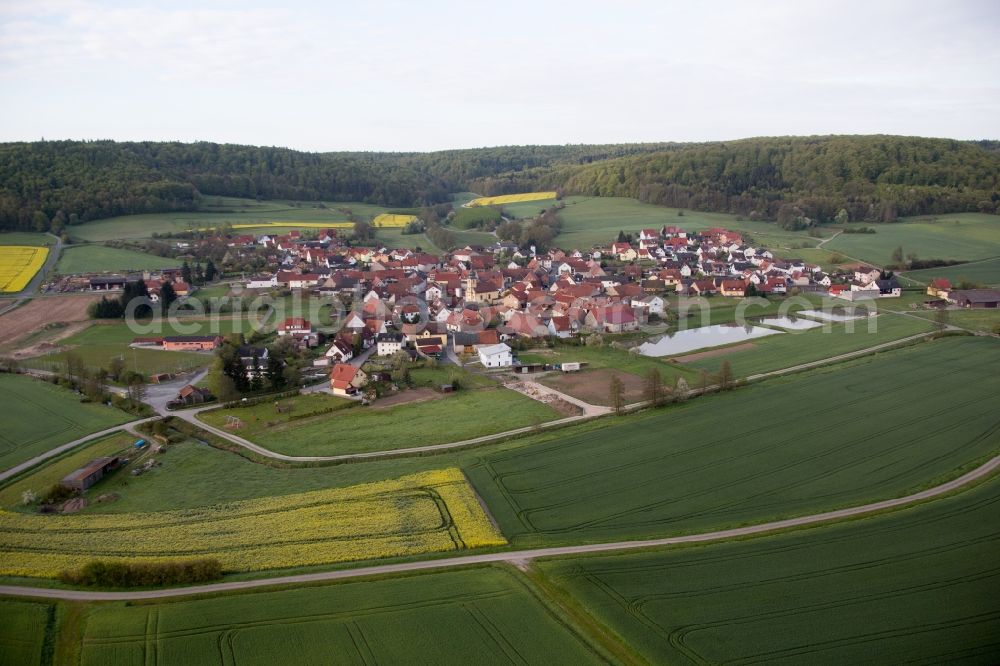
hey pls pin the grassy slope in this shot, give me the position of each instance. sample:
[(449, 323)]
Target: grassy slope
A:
[(981, 272), (475, 616), (25, 238), (782, 448), (919, 585), (234, 211), (462, 415), (98, 258), (963, 236), (589, 221), (39, 416)]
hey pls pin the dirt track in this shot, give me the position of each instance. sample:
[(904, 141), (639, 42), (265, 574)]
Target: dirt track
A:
[(37, 313)]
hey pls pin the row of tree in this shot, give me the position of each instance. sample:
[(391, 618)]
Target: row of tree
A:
[(49, 185)]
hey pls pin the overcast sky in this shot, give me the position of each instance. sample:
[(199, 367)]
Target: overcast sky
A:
[(425, 75)]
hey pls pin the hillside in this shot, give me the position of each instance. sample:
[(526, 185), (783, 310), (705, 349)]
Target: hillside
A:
[(789, 179), (51, 184)]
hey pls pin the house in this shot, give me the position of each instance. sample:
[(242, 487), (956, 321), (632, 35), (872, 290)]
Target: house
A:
[(90, 473), (614, 318), (866, 274), (388, 344), (496, 356), (340, 351), (939, 287), (345, 379), (732, 287), (191, 342), (561, 327), (295, 326), (976, 298), (889, 288), (254, 360)]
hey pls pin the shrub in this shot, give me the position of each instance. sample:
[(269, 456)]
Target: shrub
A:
[(58, 493), (143, 574)]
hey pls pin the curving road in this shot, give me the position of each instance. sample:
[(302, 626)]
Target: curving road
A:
[(518, 557)]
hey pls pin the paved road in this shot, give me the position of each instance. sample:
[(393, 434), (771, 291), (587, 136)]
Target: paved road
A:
[(516, 556)]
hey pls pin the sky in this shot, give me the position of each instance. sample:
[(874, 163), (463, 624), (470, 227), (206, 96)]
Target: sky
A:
[(426, 75)]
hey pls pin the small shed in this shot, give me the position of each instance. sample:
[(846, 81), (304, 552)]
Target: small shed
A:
[(90, 473)]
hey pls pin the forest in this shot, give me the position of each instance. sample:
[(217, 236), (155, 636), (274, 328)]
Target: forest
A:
[(47, 185)]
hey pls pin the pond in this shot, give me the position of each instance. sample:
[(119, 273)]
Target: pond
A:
[(699, 338), (790, 323), (840, 315)]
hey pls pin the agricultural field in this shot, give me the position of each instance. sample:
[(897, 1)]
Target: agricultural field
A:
[(101, 259), (462, 415), (39, 416), (985, 272), (475, 217), (913, 586), (792, 446), (962, 236), (275, 216), (18, 264), (794, 347), (504, 199), (590, 221), (23, 631), (432, 511), (983, 321), (392, 220), (26, 238), (485, 615)]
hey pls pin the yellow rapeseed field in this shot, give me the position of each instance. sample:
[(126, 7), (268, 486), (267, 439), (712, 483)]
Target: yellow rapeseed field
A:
[(392, 220), (18, 264), (421, 513), (512, 198)]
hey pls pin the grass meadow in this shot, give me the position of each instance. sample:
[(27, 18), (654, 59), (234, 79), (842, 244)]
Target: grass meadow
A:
[(913, 586), (218, 211), (25, 630), (484, 615), (39, 416), (100, 259), (869, 429), (26, 238), (782, 351), (986, 272), (961, 236), (462, 415)]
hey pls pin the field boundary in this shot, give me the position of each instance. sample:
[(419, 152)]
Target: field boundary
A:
[(521, 556)]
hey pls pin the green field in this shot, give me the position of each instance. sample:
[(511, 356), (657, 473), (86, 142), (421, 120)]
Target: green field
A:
[(915, 586), (23, 629), (589, 221), (39, 416), (462, 415), (484, 615), (527, 209), (607, 357), (985, 272), (783, 351), (962, 236), (100, 343), (871, 429), (216, 212), (99, 259), (972, 320), (25, 238)]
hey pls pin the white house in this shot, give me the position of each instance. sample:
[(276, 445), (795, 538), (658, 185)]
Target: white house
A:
[(340, 352), (495, 356), (389, 344), (263, 282)]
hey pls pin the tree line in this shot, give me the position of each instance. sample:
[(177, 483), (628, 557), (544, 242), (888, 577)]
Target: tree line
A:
[(49, 185)]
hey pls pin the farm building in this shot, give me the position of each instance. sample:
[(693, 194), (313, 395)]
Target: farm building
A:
[(108, 283), (976, 298), (496, 356), (191, 342), (192, 395), (90, 473)]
